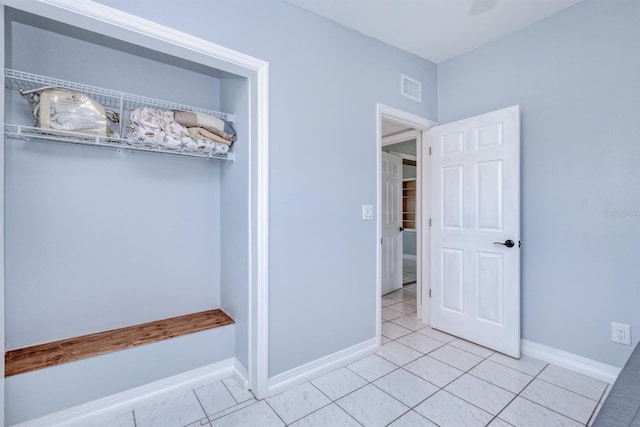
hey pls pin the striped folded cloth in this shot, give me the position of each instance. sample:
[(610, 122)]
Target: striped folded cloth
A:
[(202, 133), (222, 128)]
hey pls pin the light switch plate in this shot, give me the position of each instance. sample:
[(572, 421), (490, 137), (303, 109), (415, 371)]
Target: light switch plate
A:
[(367, 212)]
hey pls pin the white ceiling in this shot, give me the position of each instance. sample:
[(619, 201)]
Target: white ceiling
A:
[(435, 29)]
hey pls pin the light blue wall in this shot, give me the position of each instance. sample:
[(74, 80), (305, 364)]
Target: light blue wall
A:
[(576, 76), (234, 212), (107, 63), (325, 81), (409, 242)]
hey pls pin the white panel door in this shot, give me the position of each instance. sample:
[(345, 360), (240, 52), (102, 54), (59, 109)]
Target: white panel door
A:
[(391, 222), (475, 229)]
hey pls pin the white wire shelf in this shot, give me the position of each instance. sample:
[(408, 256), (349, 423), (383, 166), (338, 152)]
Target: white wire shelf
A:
[(23, 81), (28, 133)]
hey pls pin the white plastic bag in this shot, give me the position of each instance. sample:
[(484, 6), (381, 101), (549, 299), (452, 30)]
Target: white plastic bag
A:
[(65, 110)]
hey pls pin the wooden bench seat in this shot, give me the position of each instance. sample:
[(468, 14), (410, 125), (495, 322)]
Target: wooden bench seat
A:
[(40, 356)]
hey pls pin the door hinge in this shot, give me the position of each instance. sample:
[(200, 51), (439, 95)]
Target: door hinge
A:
[(429, 293), (429, 222), (380, 240), (429, 150)]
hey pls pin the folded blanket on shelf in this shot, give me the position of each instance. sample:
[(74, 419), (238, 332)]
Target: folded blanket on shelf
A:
[(202, 133), (158, 129), (215, 125)]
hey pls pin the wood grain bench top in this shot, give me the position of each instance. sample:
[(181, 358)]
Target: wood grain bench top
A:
[(40, 356)]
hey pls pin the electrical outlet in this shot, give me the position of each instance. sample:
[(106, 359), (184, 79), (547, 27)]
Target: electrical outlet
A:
[(620, 333)]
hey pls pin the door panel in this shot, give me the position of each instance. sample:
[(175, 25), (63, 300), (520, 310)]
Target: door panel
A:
[(391, 223), (489, 189), (490, 279), (475, 283), (453, 275), (452, 200)]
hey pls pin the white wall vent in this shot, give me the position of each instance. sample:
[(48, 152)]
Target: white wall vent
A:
[(411, 88)]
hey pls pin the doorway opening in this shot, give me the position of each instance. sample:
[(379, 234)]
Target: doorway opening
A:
[(402, 205), (399, 206)]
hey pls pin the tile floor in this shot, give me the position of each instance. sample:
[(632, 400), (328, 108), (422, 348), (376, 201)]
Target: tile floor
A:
[(419, 377)]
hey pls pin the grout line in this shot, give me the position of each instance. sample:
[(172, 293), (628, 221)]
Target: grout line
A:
[(511, 401), (275, 412), (453, 366), (201, 405), (499, 386), (496, 418), (347, 412), (516, 369), (397, 418), (466, 401), (604, 392), (312, 412), (231, 410), (229, 391), (592, 416), (374, 385), (552, 410), (572, 391), (333, 402)]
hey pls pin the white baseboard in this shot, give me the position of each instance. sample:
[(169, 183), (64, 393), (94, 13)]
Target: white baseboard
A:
[(101, 410), (573, 362), (240, 373), (411, 257), (324, 365)]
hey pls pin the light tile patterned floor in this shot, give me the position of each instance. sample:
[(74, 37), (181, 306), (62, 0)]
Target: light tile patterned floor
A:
[(419, 377)]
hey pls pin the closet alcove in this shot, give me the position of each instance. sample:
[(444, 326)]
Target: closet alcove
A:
[(101, 236)]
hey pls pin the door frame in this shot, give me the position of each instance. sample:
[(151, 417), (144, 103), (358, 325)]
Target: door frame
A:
[(395, 139), (421, 125)]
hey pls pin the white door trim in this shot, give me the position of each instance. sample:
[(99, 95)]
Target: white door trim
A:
[(2, 210), (421, 124), (117, 24)]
